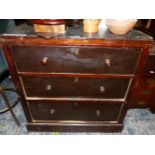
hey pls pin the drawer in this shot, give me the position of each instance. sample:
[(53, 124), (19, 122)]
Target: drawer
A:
[(65, 59), (75, 111), (107, 88), (144, 92), (149, 69)]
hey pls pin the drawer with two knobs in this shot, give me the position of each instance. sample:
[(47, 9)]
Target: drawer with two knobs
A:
[(75, 87), (76, 111), (75, 59)]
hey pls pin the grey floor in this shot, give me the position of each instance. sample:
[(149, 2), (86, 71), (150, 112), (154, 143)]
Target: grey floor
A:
[(136, 122)]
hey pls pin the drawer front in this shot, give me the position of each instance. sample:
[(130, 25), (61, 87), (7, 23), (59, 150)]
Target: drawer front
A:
[(75, 111), (149, 69), (108, 88), (144, 93), (51, 59)]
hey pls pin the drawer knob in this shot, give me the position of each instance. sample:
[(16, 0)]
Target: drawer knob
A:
[(49, 87), (102, 89), (44, 61), (77, 52), (75, 104), (152, 72), (108, 62), (98, 112), (76, 80), (74, 51), (52, 111)]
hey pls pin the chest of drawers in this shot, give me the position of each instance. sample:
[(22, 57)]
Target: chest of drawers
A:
[(78, 84)]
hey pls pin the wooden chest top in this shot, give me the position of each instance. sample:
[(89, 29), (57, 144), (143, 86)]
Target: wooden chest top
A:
[(24, 34)]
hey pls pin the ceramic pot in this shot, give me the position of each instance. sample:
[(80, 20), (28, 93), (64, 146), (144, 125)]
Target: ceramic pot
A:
[(120, 27), (91, 25)]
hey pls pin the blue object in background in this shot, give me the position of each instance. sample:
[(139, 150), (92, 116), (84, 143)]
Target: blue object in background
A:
[(3, 64), (5, 24)]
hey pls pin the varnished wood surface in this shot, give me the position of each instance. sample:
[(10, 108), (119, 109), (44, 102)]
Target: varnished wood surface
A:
[(25, 34), (76, 112), (61, 87), (57, 127), (143, 94), (73, 42), (48, 21), (24, 50), (149, 68), (77, 59)]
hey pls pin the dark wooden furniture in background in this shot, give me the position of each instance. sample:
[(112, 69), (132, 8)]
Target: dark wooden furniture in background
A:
[(76, 82), (147, 26), (143, 95)]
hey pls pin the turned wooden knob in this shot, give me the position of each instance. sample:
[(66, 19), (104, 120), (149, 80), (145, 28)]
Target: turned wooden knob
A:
[(44, 61), (76, 80), (75, 104), (52, 111), (152, 72), (49, 87), (98, 112), (102, 89), (108, 62)]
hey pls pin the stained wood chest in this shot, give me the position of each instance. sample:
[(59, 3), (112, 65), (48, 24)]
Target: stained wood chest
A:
[(75, 82)]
